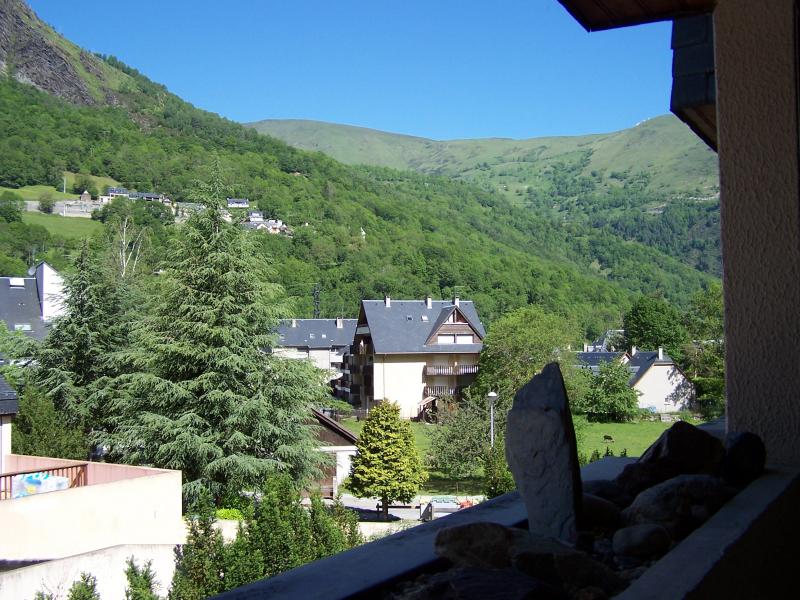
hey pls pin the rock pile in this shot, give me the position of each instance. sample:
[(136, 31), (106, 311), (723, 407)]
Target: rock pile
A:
[(601, 536)]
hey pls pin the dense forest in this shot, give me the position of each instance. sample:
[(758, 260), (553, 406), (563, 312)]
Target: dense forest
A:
[(424, 234)]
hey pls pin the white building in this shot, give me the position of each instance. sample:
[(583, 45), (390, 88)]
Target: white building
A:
[(28, 304)]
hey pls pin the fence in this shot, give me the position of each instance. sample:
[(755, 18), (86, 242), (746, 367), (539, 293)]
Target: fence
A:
[(76, 474)]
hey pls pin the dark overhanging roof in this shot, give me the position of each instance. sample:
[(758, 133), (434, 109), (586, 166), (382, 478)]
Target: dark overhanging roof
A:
[(328, 423), (9, 405), (597, 15)]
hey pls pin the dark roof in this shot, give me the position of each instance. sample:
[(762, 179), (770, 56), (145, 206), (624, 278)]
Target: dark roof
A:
[(21, 306), (593, 360), (331, 425), (642, 361), (8, 399), (594, 15), (638, 364), (316, 333), (405, 326)]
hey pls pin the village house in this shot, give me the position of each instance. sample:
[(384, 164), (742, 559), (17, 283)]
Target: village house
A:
[(412, 352), (338, 442), (238, 202), (322, 341), (28, 304), (661, 385)]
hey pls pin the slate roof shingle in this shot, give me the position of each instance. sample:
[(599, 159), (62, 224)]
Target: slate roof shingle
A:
[(638, 364), (401, 329), (9, 404), (20, 305), (316, 333)]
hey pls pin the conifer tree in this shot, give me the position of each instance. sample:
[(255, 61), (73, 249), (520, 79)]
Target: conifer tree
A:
[(199, 562), (386, 464), (141, 581), (201, 394), (84, 589)]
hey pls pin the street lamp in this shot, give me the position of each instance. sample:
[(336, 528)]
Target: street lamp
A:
[(491, 397)]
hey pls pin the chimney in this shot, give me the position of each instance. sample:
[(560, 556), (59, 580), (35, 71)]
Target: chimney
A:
[(660, 353), (339, 323), (428, 302), (455, 301), (294, 322), (387, 301), (633, 350)]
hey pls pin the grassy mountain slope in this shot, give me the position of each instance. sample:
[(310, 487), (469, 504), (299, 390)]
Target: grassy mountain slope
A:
[(675, 159), (424, 234)]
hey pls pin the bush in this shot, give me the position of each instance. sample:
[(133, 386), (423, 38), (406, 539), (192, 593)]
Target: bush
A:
[(497, 479), (230, 514), (46, 203)]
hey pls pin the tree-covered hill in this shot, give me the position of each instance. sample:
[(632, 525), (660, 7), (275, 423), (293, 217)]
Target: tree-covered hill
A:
[(424, 234), (655, 182)]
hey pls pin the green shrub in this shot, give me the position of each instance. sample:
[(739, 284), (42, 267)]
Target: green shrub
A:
[(230, 514)]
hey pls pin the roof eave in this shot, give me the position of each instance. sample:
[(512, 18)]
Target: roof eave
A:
[(597, 15)]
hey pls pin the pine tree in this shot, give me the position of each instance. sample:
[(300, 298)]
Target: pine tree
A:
[(386, 464), (141, 581), (199, 562), (73, 355), (201, 394), (84, 589), (39, 429)]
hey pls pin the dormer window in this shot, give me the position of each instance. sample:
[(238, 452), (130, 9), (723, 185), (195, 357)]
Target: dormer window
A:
[(22, 327), (16, 282)]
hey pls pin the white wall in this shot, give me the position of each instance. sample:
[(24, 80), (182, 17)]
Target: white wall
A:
[(398, 378), (107, 565), (5, 440), (665, 388), (141, 510), (52, 293), (344, 455)]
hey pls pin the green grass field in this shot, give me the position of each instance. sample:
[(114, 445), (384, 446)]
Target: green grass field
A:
[(33, 192), (634, 437), (66, 227)]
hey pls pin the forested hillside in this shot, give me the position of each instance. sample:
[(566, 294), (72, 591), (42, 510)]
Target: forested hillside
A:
[(655, 183), (424, 234)]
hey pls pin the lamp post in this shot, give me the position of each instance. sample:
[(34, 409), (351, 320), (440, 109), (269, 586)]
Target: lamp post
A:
[(491, 396)]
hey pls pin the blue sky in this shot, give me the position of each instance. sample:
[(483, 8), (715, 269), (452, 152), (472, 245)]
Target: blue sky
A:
[(441, 69)]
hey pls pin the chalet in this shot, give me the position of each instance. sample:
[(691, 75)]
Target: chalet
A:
[(412, 352), (322, 341), (238, 203), (149, 196), (338, 442), (28, 304), (661, 385), (255, 216)]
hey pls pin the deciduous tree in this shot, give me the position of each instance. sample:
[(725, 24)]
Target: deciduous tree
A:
[(652, 322)]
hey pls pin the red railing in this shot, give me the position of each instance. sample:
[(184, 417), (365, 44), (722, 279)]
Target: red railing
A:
[(75, 473)]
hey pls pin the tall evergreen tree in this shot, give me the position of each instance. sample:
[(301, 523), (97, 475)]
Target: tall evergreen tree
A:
[(200, 393), (74, 354), (386, 464)]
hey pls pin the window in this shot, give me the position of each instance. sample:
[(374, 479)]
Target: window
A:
[(16, 282), (445, 339), (424, 318), (22, 327), (464, 339)]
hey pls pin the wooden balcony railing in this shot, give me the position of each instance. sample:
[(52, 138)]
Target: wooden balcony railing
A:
[(442, 390), (76, 474), (451, 369)]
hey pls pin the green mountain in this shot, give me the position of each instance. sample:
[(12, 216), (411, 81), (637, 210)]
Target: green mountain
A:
[(423, 234), (655, 182)]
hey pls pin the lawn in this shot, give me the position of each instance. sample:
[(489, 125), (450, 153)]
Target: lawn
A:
[(66, 227), (634, 437), (33, 192)]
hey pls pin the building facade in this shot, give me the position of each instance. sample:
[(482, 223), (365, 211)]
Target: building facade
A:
[(412, 352)]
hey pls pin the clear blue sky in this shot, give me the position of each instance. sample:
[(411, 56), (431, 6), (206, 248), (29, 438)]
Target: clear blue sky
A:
[(442, 69)]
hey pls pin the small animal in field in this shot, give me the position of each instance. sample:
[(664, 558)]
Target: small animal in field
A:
[(608, 438)]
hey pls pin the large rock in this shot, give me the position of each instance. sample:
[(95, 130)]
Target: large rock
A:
[(599, 513), (543, 456), (609, 490), (478, 584), (680, 504), (648, 540), (493, 546), (682, 449), (744, 460)]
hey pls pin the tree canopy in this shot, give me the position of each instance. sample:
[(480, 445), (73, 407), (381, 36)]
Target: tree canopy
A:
[(652, 322)]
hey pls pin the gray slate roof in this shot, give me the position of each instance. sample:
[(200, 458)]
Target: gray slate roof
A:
[(400, 328), (316, 333), (8, 399), (21, 305), (638, 364)]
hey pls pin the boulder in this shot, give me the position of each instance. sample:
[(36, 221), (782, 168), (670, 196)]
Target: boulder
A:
[(642, 541), (744, 460), (680, 504), (681, 450), (609, 490), (543, 457), (599, 513), (478, 584)]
